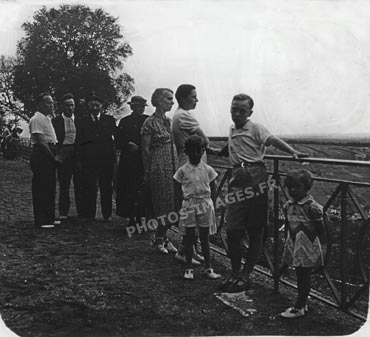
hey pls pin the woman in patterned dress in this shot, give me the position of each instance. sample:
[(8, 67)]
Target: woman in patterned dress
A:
[(160, 164)]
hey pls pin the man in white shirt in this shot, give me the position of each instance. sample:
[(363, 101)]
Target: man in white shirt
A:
[(43, 162)]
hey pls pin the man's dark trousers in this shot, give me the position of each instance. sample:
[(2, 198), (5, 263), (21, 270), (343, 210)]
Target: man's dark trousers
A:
[(97, 175), (95, 150), (66, 171), (43, 185)]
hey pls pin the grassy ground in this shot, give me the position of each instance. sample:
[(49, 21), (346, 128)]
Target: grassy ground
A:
[(92, 280)]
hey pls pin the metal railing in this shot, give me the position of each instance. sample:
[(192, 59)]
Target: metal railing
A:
[(342, 295)]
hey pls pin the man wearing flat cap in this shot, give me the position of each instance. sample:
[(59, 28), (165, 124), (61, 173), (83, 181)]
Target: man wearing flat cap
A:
[(96, 156), (130, 168)]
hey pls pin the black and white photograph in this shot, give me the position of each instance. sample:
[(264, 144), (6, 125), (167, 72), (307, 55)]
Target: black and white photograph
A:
[(184, 168)]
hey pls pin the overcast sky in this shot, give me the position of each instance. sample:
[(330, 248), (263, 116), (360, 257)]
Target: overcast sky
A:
[(306, 63)]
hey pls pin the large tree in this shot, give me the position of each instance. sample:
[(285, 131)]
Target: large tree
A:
[(72, 49), (10, 108)]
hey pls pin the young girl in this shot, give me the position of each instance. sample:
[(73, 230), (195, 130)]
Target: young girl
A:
[(196, 181), (304, 221)]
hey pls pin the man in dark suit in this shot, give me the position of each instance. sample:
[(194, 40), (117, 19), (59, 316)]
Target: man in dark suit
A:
[(96, 157), (65, 129)]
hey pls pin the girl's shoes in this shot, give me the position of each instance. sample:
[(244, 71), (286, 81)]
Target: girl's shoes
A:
[(211, 274), (161, 249), (293, 312), (169, 246), (159, 244), (198, 257), (189, 274)]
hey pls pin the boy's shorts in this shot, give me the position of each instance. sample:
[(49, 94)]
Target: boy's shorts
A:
[(197, 213), (247, 205)]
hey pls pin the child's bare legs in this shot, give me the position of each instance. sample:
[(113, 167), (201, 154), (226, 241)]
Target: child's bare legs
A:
[(304, 285), (189, 241), (204, 241)]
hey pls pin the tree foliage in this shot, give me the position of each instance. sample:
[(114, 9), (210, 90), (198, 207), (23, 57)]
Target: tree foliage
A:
[(72, 49), (10, 107)]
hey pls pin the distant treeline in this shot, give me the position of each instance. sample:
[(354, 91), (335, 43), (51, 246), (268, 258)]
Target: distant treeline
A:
[(361, 140)]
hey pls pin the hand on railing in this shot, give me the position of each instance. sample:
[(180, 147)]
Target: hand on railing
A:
[(297, 155)]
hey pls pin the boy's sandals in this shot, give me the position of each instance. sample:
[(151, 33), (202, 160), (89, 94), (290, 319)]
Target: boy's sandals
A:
[(189, 274), (293, 312), (224, 285), (211, 274), (237, 285)]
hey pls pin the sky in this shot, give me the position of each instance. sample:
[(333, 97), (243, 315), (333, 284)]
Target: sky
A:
[(306, 63)]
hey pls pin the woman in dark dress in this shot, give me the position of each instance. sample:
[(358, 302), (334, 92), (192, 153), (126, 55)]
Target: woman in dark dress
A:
[(130, 168)]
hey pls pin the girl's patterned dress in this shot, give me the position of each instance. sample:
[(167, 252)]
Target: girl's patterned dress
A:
[(302, 246)]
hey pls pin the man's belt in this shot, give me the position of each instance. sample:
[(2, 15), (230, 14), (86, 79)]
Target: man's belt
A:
[(249, 164), (65, 145)]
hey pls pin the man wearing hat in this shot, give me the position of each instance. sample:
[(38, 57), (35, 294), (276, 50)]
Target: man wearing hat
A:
[(130, 168), (96, 156)]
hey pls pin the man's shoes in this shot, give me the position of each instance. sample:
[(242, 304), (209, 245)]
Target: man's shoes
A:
[(189, 274), (87, 219), (169, 246), (125, 221), (63, 217), (47, 226), (209, 272), (180, 257), (293, 313), (109, 219), (56, 222)]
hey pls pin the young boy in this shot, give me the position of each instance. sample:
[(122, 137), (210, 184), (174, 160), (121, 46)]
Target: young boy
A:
[(246, 148), (196, 182)]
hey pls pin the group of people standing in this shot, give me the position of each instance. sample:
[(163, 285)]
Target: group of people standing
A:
[(163, 169), (81, 148)]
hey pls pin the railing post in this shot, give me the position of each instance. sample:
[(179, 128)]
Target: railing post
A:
[(276, 227), (343, 217)]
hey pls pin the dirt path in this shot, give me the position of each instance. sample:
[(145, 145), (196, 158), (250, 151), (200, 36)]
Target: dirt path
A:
[(92, 280)]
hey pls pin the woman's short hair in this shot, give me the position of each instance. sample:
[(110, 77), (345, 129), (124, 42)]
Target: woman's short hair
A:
[(244, 97), (302, 176), (41, 96), (158, 94), (183, 92)]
